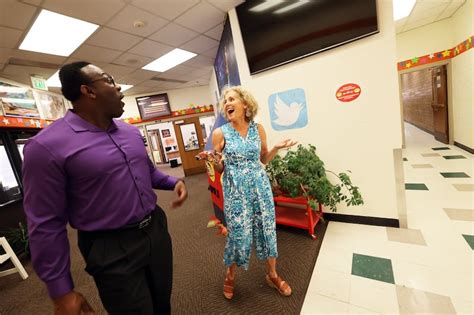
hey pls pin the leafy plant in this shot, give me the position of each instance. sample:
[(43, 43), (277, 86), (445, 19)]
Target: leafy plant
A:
[(302, 173), (18, 237)]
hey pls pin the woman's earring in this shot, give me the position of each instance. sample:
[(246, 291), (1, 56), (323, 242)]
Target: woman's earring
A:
[(248, 113)]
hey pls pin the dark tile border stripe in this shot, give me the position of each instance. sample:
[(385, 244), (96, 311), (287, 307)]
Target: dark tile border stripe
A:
[(464, 147), (440, 148), (357, 219)]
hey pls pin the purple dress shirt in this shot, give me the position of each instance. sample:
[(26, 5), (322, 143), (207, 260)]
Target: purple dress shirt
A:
[(76, 172)]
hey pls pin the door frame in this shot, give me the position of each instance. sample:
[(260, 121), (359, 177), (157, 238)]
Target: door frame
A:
[(448, 65)]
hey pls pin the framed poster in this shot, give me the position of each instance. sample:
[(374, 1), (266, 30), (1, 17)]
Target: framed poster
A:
[(50, 106), (225, 64), (17, 101), (153, 106)]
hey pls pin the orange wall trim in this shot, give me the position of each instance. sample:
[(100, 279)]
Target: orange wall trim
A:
[(437, 56), (19, 122)]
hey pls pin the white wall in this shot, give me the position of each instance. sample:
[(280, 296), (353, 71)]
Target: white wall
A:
[(179, 99), (425, 40), (359, 136), (439, 36), (462, 81)]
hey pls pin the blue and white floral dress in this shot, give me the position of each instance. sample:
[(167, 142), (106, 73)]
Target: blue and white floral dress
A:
[(248, 201)]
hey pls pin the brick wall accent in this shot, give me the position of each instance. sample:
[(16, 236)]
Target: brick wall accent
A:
[(416, 98)]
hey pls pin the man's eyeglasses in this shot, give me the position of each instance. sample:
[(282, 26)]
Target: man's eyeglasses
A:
[(107, 77)]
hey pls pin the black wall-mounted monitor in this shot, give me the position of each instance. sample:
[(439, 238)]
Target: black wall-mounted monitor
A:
[(153, 106), (278, 32)]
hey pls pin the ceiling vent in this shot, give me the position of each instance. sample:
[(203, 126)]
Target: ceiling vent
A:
[(167, 80), (30, 63)]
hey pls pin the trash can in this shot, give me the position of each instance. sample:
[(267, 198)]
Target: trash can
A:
[(174, 163)]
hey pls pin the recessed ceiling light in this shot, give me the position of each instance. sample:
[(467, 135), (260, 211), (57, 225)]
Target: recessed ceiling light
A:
[(125, 87), (57, 34), (402, 8), (170, 60), (53, 80)]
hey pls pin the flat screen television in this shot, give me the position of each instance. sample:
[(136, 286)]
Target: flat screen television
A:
[(153, 106), (276, 32)]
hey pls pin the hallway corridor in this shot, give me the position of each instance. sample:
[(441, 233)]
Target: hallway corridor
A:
[(424, 269)]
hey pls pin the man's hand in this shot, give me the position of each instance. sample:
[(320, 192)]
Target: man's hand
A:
[(72, 303), (180, 190)]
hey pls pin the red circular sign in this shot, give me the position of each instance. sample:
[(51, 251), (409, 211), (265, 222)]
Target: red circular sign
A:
[(348, 92)]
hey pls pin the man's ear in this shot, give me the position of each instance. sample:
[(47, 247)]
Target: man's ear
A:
[(88, 91)]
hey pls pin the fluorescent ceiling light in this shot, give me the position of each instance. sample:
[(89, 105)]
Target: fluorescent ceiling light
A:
[(291, 6), (124, 87), (266, 5), (53, 80), (170, 60), (402, 8), (57, 34)]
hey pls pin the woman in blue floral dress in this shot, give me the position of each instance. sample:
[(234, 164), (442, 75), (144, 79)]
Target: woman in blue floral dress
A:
[(248, 201)]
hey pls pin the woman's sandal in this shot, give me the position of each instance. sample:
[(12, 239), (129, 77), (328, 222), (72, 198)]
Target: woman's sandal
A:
[(228, 288), (278, 283)]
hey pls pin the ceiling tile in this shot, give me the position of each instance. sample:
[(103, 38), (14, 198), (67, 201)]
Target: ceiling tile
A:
[(93, 53), (40, 57), (94, 11), (124, 21), (136, 90), (420, 12), (200, 61), (151, 49), (33, 2), (132, 60), (142, 74), (168, 9), (95, 63), (25, 72), (211, 52), (202, 72), (5, 54), (418, 23), (117, 71), (15, 14), (201, 17), (200, 44), (451, 9), (216, 32), (174, 35), (225, 5), (151, 83), (10, 38), (113, 39)]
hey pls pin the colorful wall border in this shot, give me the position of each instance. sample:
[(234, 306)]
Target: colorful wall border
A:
[(18, 122), (438, 56)]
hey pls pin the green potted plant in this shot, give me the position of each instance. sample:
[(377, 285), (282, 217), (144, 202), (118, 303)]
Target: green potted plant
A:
[(302, 173), (18, 239)]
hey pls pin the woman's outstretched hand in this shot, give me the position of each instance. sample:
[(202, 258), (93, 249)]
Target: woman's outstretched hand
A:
[(286, 144), (212, 156)]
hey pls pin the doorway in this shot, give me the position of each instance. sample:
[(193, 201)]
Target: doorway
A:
[(190, 139), (425, 101)]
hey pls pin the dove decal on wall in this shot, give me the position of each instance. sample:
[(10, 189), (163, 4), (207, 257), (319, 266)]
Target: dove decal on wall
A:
[(288, 109)]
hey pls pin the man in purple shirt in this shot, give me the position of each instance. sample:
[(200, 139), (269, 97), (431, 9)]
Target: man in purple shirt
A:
[(93, 172)]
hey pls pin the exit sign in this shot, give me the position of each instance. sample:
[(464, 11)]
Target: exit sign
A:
[(39, 83)]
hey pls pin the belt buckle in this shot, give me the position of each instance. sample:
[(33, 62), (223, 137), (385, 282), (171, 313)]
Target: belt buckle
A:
[(144, 223)]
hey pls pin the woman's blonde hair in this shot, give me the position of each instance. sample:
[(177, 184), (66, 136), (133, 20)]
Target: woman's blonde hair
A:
[(245, 97)]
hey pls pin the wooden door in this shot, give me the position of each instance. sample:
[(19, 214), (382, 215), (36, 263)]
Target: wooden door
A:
[(439, 103), (190, 142)]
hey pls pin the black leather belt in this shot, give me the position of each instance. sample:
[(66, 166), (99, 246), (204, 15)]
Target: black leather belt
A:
[(138, 225)]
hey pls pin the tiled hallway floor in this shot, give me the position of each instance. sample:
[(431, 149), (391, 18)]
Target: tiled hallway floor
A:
[(427, 268)]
